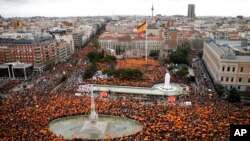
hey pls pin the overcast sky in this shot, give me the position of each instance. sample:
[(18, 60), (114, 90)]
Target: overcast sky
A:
[(51, 8)]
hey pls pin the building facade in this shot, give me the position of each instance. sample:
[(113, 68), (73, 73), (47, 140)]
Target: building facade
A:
[(77, 40), (173, 38), (228, 66), (36, 49), (191, 11), (123, 42), (63, 50)]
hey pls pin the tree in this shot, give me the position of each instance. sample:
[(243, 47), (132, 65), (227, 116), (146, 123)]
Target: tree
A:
[(234, 95), (90, 71), (151, 35), (95, 56), (137, 74), (183, 71), (109, 72), (154, 54), (127, 73), (178, 57), (111, 58), (220, 89)]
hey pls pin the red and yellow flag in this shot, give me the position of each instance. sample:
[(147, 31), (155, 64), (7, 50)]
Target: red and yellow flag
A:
[(141, 29)]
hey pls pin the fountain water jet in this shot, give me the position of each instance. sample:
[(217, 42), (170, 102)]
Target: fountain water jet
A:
[(168, 88), (167, 85)]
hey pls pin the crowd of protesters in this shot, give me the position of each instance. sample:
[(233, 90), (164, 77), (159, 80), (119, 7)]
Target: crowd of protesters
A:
[(26, 115), (152, 73)]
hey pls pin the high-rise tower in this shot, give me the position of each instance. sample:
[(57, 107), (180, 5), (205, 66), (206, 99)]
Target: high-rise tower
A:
[(152, 11), (191, 11)]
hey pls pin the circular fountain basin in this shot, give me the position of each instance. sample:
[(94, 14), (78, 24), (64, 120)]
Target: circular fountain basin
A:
[(70, 127), (175, 89)]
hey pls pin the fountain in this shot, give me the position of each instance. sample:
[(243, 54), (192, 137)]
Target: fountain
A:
[(167, 85), (167, 88), (94, 126)]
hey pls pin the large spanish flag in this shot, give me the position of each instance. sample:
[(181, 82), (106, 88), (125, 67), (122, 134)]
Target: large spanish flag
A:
[(141, 29)]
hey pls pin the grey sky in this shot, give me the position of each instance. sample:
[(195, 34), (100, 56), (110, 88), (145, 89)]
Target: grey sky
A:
[(12, 8)]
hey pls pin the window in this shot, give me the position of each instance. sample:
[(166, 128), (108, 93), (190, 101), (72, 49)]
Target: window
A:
[(231, 87), (227, 79), (241, 69), (240, 79), (232, 79), (248, 80), (223, 68), (221, 79), (233, 69), (238, 87), (228, 68)]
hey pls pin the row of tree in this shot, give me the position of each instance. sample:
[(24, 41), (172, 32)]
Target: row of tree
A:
[(179, 56), (232, 95), (99, 57), (124, 73)]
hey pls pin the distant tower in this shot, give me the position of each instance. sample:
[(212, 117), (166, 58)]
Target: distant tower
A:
[(152, 11), (191, 11)]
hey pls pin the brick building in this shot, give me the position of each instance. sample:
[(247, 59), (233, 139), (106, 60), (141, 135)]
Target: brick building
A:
[(36, 49)]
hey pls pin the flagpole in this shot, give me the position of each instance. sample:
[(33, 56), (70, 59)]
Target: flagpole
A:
[(146, 43)]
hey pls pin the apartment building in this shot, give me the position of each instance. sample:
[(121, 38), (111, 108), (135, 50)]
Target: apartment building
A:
[(173, 38), (36, 49), (77, 40), (63, 50)]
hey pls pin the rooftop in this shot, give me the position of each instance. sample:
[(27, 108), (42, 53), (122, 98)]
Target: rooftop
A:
[(230, 53), (16, 65), (23, 38)]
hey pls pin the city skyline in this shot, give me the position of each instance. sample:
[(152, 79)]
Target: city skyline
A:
[(61, 8)]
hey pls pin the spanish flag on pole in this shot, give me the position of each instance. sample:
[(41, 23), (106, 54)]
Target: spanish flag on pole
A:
[(141, 29)]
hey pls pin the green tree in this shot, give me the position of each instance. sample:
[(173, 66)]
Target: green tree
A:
[(183, 50), (127, 73), (154, 54), (109, 72), (151, 35), (234, 95), (90, 71), (220, 89), (182, 72), (111, 60), (137, 73), (178, 57), (95, 56)]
